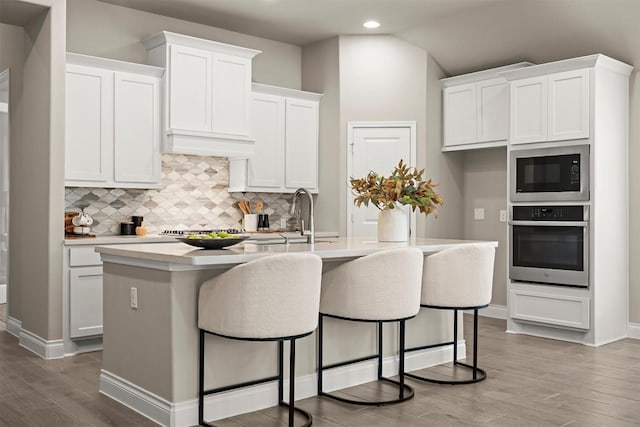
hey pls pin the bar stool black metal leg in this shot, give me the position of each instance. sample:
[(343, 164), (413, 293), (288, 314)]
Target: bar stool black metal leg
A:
[(201, 380), (292, 379), (280, 371), (379, 350), (320, 354), (475, 344), (401, 364), (455, 336)]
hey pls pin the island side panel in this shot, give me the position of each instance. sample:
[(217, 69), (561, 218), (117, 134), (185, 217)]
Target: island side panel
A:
[(137, 342)]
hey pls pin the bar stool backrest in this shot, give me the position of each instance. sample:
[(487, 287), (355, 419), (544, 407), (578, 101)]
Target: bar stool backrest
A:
[(458, 277), (384, 285), (271, 297)]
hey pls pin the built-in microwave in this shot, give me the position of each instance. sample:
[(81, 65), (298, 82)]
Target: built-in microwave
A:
[(550, 174)]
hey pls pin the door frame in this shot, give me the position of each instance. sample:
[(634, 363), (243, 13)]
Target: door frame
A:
[(351, 127), (4, 108)]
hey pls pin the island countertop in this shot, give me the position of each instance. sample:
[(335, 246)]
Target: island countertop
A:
[(181, 256)]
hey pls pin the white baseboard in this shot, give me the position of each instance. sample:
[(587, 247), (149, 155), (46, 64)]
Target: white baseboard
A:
[(3, 293), (634, 330), (14, 326), (53, 349), (495, 311), (260, 396)]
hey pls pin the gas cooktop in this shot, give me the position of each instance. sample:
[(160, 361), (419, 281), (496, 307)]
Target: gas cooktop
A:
[(200, 231)]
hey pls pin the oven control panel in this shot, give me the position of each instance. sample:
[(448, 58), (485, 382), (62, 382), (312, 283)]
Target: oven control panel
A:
[(549, 213)]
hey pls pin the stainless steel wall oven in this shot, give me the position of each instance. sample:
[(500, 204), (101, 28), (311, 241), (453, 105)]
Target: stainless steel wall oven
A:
[(550, 244)]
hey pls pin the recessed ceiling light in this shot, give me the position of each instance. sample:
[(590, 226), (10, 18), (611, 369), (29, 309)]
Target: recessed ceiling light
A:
[(371, 24)]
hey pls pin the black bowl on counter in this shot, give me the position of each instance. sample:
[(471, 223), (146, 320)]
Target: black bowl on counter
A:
[(213, 243)]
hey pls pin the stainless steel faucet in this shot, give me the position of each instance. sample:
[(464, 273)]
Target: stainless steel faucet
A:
[(311, 237)]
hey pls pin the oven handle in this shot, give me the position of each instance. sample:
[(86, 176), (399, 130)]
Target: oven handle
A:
[(551, 223)]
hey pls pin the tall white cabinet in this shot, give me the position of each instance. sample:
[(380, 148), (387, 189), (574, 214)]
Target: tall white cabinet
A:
[(285, 126), (113, 123), (575, 102), (207, 107)]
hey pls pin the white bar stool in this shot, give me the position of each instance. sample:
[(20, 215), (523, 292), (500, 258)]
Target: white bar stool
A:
[(273, 298), (459, 278), (381, 287)]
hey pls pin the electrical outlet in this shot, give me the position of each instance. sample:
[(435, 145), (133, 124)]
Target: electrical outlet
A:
[(503, 215), (134, 298), (478, 214)]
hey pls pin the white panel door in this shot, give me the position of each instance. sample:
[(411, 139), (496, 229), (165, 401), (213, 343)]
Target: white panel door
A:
[(529, 110), (460, 124), (190, 93), (136, 129), (493, 110), (377, 149), (231, 93), (301, 144), (89, 123), (266, 165), (569, 105)]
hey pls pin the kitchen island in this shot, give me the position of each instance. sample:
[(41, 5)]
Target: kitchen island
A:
[(151, 337)]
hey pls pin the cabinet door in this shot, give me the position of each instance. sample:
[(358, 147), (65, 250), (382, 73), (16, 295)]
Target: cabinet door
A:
[(265, 167), (85, 302), (231, 95), (569, 105), (89, 114), (301, 144), (137, 129), (493, 110), (460, 124), (528, 110), (190, 92)]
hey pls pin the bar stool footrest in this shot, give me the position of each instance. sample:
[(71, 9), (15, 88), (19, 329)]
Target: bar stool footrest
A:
[(408, 394), (480, 376)]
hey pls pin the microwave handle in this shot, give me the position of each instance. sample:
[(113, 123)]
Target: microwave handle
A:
[(551, 223)]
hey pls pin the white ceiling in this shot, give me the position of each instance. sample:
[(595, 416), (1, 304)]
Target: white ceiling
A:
[(462, 35)]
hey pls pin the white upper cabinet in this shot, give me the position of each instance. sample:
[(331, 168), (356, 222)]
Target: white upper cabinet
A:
[(552, 107), (476, 109), (208, 95), (285, 126), (113, 123)]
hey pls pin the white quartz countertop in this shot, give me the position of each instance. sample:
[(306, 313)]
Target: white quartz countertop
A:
[(266, 237), (181, 256)]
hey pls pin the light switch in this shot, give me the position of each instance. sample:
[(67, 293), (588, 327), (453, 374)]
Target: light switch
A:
[(503, 215), (478, 214)]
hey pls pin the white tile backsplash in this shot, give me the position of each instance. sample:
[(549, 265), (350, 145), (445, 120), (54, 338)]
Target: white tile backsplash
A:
[(193, 195)]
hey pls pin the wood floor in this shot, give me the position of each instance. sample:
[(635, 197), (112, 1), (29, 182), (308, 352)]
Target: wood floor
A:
[(531, 382)]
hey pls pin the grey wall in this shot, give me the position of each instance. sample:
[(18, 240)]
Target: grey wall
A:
[(36, 179), (12, 57), (485, 186), (101, 29), (321, 74)]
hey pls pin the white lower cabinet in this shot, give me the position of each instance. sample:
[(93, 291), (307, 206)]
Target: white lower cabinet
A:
[(84, 285), (85, 302), (285, 126), (113, 123), (549, 308)]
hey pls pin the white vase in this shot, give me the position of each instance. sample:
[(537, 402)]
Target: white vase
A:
[(393, 225)]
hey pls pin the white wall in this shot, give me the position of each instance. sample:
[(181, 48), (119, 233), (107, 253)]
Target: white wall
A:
[(110, 31), (634, 198)]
